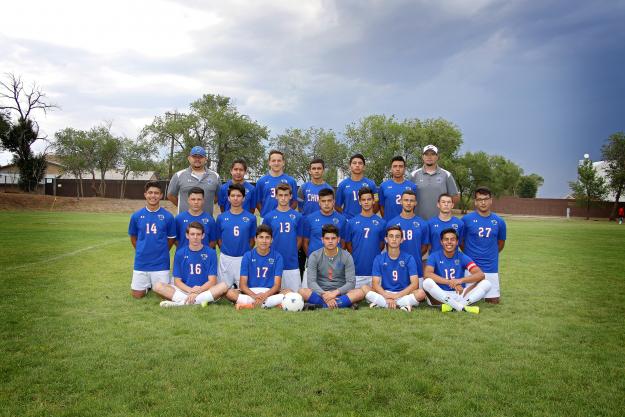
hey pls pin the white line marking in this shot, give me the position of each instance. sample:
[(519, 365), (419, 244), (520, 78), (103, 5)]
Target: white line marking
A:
[(65, 255)]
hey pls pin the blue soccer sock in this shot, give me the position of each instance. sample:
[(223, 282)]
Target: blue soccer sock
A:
[(316, 299), (343, 301)]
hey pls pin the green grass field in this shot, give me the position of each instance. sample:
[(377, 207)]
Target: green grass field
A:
[(75, 344)]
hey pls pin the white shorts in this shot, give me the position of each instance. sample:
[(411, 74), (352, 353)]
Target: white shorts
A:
[(493, 278), (246, 299), (290, 279), (229, 270), (363, 280), (305, 277), (143, 280)]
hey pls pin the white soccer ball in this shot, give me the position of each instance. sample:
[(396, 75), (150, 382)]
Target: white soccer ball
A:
[(292, 302)]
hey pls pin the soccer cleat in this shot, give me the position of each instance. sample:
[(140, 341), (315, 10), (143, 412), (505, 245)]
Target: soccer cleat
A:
[(472, 309), (355, 306), (168, 303), (244, 306), (407, 308), (374, 305), (204, 304), (310, 307), (446, 308)]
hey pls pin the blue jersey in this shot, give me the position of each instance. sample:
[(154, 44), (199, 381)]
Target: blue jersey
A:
[(185, 218), (235, 232), (194, 267), (313, 224), (347, 195), (261, 270), (450, 268), (437, 225), (415, 233), (265, 192), (389, 195), (394, 273), (481, 239), (287, 226), (249, 202), (308, 197), (365, 235), (152, 229)]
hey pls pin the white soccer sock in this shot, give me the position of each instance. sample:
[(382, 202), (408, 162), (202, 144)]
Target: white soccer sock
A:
[(178, 297), (273, 300), (407, 300), (435, 291), (206, 296), (245, 299), (478, 292), (375, 298)]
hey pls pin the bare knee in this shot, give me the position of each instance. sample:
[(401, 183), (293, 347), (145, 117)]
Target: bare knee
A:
[(419, 295)]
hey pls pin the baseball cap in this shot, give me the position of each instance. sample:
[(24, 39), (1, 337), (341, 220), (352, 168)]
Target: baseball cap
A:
[(430, 148), (198, 150)]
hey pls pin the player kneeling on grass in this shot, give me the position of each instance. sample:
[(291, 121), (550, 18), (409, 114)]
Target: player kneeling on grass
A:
[(331, 274), (152, 232), (445, 280), (261, 275), (195, 273), (395, 282)]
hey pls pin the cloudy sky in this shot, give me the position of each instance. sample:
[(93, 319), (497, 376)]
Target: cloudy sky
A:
[(540, 83)]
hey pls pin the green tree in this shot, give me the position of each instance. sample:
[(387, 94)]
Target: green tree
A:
[(471, 170), (528, 185), (171, 130), (327, 146), (614, 154), (71, 147), (590, 187), (505, 177), (385, 137), (134, 158)]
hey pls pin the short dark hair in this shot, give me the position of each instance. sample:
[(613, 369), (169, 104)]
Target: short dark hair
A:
[(359, 156), (195, 225), (409, 192), (196, 190), (449, 230), (325, 192), (264, 228), (154, 184), (275, 151), (444, 195), (363, 191), (393, 227), (284, 187), (317, 161), (238, 187), (482, 190), (398, 158), (239, 161), (329, 228)]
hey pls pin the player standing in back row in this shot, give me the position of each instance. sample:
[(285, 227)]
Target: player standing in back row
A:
[(347, 191), (237, 171), (391, 190), (484, 238), (265, 191), (308, 192)]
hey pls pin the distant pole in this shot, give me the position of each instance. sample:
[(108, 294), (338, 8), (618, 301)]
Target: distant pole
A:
[(568, 213)]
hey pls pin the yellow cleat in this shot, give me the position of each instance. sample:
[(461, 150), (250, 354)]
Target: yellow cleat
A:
[(446, 308), (472, 309)]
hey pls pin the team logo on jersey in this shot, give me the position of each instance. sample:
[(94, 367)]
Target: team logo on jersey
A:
[(453, 226), (161, 217), (204, 256), (375, 222), (246, 219), (270, 261), (292, 216), (402, 264), (415, 224), (456, 261), (493, 221), (205, 220), (335, 220)]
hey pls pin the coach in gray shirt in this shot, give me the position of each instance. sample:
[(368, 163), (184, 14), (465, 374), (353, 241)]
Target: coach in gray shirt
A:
[(197, 175), (432, 181)]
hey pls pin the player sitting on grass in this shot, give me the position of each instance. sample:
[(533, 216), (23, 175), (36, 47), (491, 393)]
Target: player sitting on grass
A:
[(395, 280), (445, 280), (195, 213), (195, 273), (331, 274), (152, 233), (261, 275)]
